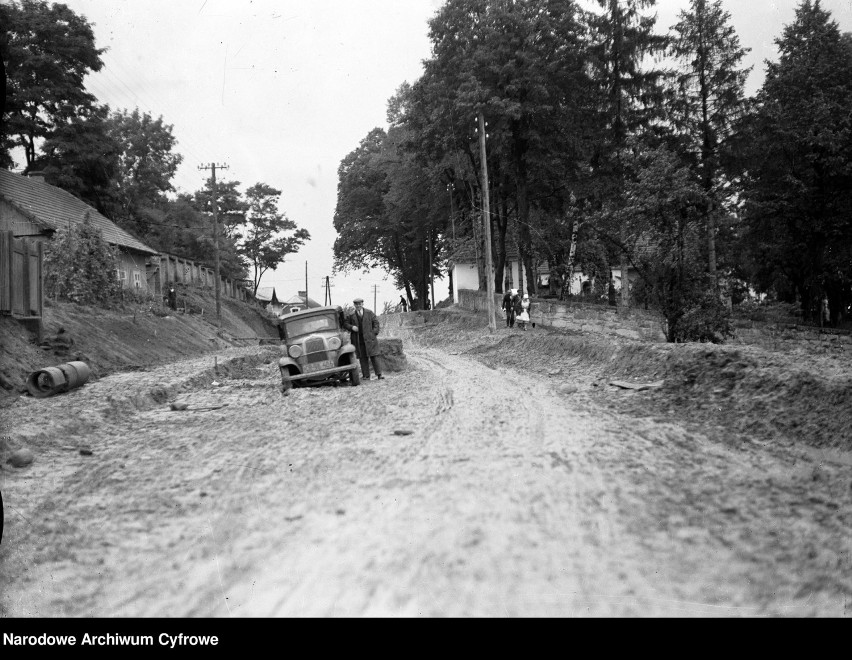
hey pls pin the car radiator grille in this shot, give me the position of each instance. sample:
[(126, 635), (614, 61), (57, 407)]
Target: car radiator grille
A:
[(315, 350)]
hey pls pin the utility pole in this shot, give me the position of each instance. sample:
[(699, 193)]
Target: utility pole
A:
[(486, 215), (375, 291), (431, 276), (328, 288), (212, 167), (451, 187), (306, 284)]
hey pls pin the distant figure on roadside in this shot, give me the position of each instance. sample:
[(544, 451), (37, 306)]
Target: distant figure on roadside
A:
[(516, 304), (509, 308), (524, 316), (403, 304), (610, 293), (172, 297), (341, 317), (364, 326), (427, 304)]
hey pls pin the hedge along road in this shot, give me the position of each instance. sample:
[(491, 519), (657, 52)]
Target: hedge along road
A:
[(448, 489)]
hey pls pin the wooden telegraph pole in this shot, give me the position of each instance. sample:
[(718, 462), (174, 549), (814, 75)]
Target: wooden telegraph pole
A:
[(486, 215), (431, 273), (212, 167), (328, 289)]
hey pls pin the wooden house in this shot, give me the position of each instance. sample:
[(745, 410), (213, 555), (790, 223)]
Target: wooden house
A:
[(462, 264), (32, 208), (268, 299), (297, 303)]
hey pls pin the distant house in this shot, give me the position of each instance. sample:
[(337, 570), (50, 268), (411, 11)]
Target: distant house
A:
[(31, 208), (644, 251), (267, 297), (465, 274), (298, 303)]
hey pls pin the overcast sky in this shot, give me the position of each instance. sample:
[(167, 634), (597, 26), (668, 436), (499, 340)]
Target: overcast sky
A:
[(281, 91)]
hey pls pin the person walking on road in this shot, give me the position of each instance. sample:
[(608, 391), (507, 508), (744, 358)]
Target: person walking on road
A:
[(403, 304), (172, 297), (364, 326), (509, 308), (516, 305), (524, 315)]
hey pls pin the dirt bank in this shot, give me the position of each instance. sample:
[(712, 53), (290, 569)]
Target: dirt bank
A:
[(132, 336), (749, 392)]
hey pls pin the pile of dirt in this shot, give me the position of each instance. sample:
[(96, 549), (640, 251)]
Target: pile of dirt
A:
[(129, 337), (746, 393)]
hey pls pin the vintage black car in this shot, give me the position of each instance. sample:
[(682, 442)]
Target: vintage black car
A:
[(318, 349)]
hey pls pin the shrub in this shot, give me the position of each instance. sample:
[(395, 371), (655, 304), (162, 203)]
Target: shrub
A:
[(692, 312), (707, 319), (79, 265)]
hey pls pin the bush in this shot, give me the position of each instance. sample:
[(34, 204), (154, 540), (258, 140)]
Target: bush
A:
[(707, 320), (79, 266), (692, 312)]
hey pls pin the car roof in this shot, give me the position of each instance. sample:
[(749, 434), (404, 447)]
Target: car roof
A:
[(307, 312)]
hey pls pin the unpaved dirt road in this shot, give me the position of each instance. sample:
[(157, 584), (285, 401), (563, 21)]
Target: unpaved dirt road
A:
[(425, 494)]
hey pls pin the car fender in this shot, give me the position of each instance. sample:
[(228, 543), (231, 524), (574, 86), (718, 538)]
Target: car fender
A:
[(287, 361)]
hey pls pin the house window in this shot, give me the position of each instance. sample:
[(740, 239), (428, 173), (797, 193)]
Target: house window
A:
[(137, 279), (121, 276)]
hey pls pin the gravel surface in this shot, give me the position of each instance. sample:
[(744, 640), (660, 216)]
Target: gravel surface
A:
[(497, 475)]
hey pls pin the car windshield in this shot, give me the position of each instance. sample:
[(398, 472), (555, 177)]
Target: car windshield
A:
[(309, 324)]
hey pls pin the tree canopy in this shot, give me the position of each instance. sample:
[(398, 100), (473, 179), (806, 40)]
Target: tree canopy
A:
[(48, 50)]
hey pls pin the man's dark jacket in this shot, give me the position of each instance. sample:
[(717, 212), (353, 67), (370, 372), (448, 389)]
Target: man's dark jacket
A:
[(364, 340)]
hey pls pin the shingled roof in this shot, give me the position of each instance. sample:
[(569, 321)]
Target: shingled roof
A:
[(54, 208), (266, 294)]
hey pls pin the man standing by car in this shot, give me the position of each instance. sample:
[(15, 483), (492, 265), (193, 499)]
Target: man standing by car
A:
[(364, 326)]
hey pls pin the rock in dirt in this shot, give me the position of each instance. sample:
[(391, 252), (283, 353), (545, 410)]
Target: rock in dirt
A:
[(554, 372), (636, 386), (159, 394), (402, 432), (567, 388), (20, 458)]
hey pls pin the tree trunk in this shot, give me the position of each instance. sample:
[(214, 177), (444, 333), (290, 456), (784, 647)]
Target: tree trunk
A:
[(575, 227)]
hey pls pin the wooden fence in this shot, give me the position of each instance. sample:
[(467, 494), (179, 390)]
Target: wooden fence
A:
[(165, 269), (21, 290)]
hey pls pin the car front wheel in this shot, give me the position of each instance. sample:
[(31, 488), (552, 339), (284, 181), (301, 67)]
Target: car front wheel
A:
[(286, 383), (354, 374)]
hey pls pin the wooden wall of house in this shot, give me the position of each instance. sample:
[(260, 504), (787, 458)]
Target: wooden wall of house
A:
[(21, 289), (132, 265), (11, 219)]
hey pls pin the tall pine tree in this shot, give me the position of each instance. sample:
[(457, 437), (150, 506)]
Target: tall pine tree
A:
[(709, 99), (799, 167)]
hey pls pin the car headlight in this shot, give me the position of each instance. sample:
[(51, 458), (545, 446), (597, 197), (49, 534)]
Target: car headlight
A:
[(334, 343), (295, 351)]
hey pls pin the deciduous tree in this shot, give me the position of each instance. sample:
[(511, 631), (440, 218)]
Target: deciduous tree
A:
[(264, 243), (146, 166), (48, 50)]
